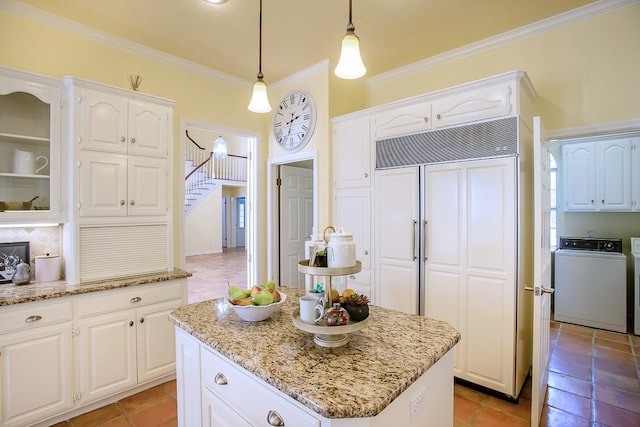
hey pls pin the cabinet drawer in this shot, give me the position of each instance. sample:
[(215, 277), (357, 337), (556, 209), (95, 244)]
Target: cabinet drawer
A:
[(132, 297), (31, 315), (252, 399)]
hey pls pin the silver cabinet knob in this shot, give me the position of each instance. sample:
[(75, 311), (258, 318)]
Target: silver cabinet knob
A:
[(274, 419), (33, 318), (366, 175), (122, 202), (133, 140), (366, 252), (123, 139), (426, 119), (220, 379), (142, 320), (132, 202), (130, 322)]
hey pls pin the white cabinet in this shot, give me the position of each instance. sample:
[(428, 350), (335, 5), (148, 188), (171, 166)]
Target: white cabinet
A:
[(473, 104), (116, 124), (120, 185), (36, 377), (404, 120), (30, 123), (125, 338), (598, 175), (352, 153)]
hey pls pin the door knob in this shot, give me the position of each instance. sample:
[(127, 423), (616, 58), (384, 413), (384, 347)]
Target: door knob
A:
[(539, 290)]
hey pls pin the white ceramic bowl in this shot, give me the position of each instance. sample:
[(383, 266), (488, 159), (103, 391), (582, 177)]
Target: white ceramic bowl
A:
[(256, 313)]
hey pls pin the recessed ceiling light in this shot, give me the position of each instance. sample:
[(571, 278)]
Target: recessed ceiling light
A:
[(215, 1)]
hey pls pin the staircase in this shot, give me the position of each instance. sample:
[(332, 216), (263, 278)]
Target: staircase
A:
[(204, 173)]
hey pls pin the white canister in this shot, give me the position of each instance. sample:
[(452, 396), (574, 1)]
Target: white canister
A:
[(47, 268), (341, 250)]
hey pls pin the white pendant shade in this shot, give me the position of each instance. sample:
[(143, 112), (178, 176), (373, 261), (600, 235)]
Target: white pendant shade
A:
[(259, 100), (350, 65)]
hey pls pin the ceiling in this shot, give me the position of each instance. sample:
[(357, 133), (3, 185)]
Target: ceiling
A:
[(300, 33)]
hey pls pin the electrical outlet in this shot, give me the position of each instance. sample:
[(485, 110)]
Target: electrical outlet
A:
[(417, 403)]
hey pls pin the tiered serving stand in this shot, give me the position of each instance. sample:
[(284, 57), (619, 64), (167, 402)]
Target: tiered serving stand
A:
[(328, 336)]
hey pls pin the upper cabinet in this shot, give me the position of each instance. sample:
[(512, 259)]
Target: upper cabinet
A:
[(598, 175), (115, 124), (402, 121), (635, 174), (352, 153), (30, 123)]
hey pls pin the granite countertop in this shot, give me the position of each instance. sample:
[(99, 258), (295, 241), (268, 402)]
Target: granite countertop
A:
[(359, 379), (13, 294)]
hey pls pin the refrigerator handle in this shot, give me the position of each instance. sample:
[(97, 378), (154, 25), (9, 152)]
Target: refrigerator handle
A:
[(415, 233), (424, 240)]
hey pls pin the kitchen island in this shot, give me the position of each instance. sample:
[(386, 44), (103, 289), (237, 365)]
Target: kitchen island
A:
[(396, 371)]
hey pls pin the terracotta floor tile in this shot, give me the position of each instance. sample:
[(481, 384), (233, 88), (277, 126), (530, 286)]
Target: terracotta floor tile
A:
[(97, 417), (118, 422), (635, 339), (621, 368), (555, 325), (464, 410), (491, 418), (568, 367), (161, 412), (620, 382), (470, 393), (613, 416), (143, 399), (522, 409), (574, 346), (553, 417), (613, 345), (170, 387), (574, 356), (612, 336), (619, 356), (577, 329), (572, 336), (568, 402), (616, 397), (570, 384)]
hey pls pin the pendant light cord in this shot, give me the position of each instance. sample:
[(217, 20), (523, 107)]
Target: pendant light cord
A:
[(260, 76), (350, 27)]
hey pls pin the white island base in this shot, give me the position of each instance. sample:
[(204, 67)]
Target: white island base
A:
[(213, 391)]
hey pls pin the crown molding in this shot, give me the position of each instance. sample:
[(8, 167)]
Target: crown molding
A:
[(609, 128), (320, 68), (562, 20), (49, 19)]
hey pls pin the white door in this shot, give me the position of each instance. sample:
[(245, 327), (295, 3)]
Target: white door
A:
[(103, 184), (239, 221), (541, 272), (147, 186), (296, 220), (224, 220), (396, 232)]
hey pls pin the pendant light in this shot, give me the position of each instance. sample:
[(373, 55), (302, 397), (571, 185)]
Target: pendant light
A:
[(259, 100), (350, 65), (220, 148)]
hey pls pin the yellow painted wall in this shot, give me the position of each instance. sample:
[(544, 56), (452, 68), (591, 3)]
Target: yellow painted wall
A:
[(584, 73)]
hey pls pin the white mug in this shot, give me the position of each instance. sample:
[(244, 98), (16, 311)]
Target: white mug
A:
[(24, 162), (319, 296), (309, 307)]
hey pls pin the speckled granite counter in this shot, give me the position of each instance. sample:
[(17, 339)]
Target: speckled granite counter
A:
[(357, 380), (12, 294)]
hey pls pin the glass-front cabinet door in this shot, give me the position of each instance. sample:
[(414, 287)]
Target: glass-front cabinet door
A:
[(30, 125)]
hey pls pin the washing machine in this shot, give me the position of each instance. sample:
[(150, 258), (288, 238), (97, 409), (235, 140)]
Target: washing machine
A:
[(635, 255), (591, 283)]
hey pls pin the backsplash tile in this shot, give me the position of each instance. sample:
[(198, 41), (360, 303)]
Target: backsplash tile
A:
[(42, 240)]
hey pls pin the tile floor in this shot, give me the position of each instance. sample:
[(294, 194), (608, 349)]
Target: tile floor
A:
[(593, 380)]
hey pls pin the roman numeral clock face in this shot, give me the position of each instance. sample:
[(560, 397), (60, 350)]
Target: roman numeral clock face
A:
[(294, 120)]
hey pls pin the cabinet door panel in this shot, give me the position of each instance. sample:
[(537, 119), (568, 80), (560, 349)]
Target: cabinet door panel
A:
[(402, 121), (103, 122), (353, 213), (580, 177), (614, 170), (35, 374), (156, 341), (147, 186), (352, 154), (472, 105), (107, 354), (215, 413), (103, 184), (148, 129)]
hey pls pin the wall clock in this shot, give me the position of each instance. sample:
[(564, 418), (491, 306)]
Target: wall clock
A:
[(294, 120)]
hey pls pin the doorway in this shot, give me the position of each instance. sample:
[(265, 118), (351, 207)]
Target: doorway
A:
[(292, 214), (246, 143)]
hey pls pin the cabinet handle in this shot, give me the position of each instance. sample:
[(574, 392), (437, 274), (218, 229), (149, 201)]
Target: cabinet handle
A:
[(602, 201), (135, 299), (133, 140), (366, 252), (121, 202), (438, 117), (142, 320), (274, 419), (33, 318), (352, 277), (123, 139), (366, 175), (592, 202), (132, 202), (415, 231), (130, 322), (424, 240), (426, 119), (220, 379)]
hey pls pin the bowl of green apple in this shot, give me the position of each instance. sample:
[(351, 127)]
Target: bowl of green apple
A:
[(256, 304)]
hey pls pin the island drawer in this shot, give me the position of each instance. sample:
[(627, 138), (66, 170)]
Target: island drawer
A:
[(124, 298), (34, 314), (252, 399)]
